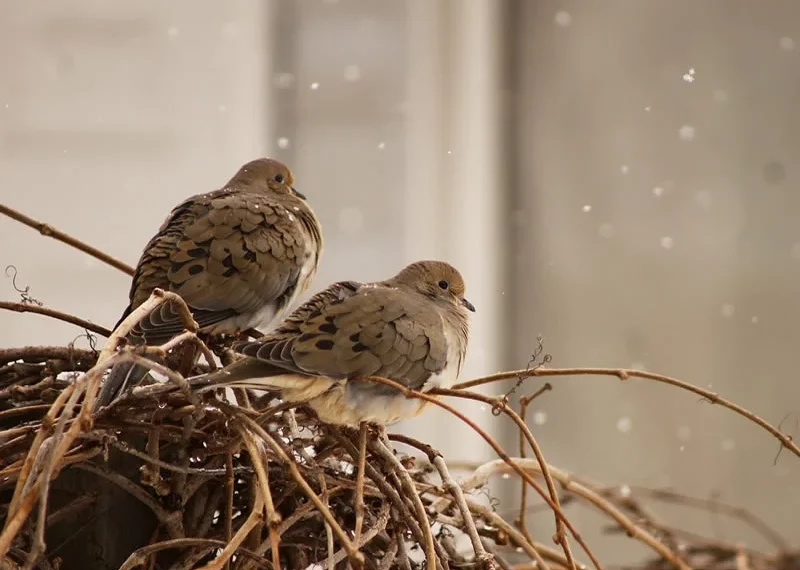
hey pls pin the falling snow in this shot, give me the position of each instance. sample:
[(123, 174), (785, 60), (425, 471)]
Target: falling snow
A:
[(283, 142), (689, 76), (686, 133), (540, 418), (624, 424), (727, 310)]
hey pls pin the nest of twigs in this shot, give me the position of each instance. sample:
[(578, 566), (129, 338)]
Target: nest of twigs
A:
[(164, 479)]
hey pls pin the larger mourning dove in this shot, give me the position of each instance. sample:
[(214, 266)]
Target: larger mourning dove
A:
[(238, 256), (412, 328)]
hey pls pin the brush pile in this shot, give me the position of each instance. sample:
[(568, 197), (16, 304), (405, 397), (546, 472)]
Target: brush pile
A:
[(166, 479)]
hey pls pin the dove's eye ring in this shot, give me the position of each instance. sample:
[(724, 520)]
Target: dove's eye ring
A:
[(278, 178), (444, 284)]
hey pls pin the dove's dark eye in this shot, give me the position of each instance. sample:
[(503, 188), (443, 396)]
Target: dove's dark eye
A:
[(278, 178), (444, 284)]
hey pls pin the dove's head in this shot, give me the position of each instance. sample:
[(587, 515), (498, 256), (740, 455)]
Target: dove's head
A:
[(436, 280), (268, 175)]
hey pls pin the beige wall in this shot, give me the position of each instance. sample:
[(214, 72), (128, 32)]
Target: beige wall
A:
[(508, 122), (701, 281)]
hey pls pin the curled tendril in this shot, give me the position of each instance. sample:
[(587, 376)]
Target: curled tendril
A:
[(90, 339), (11, 271), (538, 359)]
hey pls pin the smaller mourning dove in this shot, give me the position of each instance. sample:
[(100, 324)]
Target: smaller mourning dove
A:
[(411, 328), (238, 256)]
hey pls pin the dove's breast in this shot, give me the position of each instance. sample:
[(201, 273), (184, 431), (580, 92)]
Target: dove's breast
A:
[(449, 374)]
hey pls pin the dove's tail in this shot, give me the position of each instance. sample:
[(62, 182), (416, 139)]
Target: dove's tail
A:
[(254, 373), (122, 376), (259, 375)]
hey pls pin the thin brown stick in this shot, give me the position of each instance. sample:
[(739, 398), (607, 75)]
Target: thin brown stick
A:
[(362, 457), (483, 558), (127, 355), (156, 298), (229, 493), (409, 393), (262, 477), (388, 490), (69, 354), (54, 314), (253, 519), (49, 231), (355, 556), (27, 465), (379, 526), (481, 475), (717, 507), (626, 374), (501, 405), (419, 508), (138, 557), (191, 338), (525, 401), (530, 548)]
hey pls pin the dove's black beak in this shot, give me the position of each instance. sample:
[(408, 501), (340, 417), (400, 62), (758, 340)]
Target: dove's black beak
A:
[(468, 305), (298, 194)]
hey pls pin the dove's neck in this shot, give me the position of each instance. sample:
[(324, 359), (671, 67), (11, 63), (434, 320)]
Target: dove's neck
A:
[(457, 322)]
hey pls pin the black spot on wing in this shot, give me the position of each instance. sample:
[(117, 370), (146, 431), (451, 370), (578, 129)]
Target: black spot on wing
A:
[(324, 344), (328, 328)]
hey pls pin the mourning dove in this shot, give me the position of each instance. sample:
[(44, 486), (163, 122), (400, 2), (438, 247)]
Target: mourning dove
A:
[(411, 328), (238, 256)]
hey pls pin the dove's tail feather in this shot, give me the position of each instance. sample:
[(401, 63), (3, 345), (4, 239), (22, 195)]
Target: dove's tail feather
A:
[(259, 375), (122, 376)]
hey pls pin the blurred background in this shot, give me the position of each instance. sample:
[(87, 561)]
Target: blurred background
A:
[(618, 176)]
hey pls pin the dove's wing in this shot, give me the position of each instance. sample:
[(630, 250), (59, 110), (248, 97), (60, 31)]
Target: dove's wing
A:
[(227, 254), (351, 330)]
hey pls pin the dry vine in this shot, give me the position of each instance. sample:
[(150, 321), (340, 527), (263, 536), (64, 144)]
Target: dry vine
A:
[(240, 482)]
